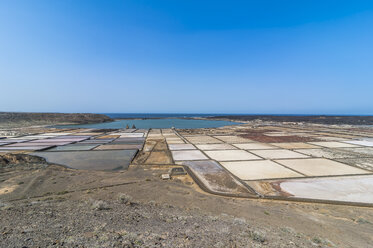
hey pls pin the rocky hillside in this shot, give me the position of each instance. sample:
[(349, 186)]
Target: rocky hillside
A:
[(28, 119)]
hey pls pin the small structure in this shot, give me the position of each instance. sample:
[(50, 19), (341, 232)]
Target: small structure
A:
[(165, 176), (133, 126)]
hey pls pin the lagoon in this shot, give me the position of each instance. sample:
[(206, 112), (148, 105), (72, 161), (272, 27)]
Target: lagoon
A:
[(155, 123)]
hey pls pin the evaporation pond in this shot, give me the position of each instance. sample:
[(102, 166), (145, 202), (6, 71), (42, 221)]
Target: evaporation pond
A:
[(91, 160)]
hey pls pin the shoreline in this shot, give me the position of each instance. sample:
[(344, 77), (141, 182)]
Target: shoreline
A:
[(360, 120), (308, 119)]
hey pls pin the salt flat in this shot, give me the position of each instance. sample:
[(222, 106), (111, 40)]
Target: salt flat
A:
[(347, 189), (332, 144), (209, 147), (254, 146), (320, 167), (175, 147), (231, 155), (188, 155), (255, 170), (277, 154)]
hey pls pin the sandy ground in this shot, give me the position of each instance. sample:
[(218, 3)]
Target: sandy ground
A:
[(51, 206)]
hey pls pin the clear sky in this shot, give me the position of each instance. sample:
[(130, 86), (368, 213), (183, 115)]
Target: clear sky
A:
[(187, 56)]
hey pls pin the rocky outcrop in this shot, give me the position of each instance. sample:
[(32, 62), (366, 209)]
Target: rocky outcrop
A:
[(16, 159), (19, 118)]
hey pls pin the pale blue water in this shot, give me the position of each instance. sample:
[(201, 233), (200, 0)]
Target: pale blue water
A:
[(155, 115), (155, 123)]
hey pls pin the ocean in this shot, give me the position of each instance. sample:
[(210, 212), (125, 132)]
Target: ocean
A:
[(155, 115)]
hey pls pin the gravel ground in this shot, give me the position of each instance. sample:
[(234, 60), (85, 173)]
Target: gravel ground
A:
[(58, 222)]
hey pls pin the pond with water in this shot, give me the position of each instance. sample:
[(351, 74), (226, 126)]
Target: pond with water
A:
[(155, 123)]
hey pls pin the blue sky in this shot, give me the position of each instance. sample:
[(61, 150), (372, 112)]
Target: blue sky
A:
[(295, 57)]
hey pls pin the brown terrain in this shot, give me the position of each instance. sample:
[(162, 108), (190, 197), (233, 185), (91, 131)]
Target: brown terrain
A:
[(316, 119), (18, 119), (52, 206)]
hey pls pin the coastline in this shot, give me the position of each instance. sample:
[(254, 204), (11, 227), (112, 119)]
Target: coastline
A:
[(275, 118), (309, 119), (24, 119)]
